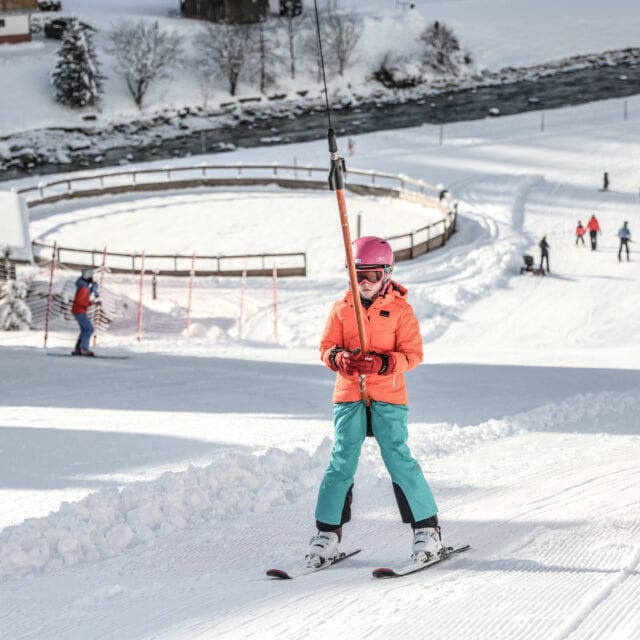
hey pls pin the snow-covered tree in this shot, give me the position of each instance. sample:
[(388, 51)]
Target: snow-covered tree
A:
[(144, 54), (442, 49), (291, 10), (340, 32), (76, 77), (14, 311), (226, 50)]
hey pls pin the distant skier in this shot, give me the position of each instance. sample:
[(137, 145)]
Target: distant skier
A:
[(580, 233), (594, 229), (395, 345), (625, 238), (605, 182), (85, 288), (544, 253)]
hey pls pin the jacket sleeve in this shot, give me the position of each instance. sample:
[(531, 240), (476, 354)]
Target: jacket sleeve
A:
[(332, 337), (408, 349)]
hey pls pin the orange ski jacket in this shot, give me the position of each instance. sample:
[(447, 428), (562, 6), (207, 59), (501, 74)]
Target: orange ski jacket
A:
[(593, 225), (391, 327)]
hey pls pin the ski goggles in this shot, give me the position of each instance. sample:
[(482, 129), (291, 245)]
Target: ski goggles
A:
[(372, 275)]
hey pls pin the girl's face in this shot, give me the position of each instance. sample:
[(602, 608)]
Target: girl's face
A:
[(370, 282)]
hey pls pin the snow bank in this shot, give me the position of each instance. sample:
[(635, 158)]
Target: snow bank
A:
[(107, 522)]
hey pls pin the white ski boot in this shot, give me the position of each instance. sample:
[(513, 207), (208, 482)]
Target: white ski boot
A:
[(322, 547), (427, 544)]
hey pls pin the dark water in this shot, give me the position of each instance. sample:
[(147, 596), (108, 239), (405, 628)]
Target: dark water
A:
[(558, 90)]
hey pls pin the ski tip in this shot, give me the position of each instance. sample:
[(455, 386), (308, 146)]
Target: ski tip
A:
[(278, 574), (383, 572)]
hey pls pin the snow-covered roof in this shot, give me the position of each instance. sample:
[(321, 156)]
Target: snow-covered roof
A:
[(14, 230)]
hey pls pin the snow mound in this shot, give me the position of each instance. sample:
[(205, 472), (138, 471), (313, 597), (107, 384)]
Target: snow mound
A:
[(107, 522)]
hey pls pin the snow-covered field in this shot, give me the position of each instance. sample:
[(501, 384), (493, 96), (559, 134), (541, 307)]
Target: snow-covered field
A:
[(145, 498), (497, 33)]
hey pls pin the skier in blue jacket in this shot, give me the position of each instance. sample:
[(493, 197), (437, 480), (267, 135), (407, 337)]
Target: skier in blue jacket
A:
[(625, 238)]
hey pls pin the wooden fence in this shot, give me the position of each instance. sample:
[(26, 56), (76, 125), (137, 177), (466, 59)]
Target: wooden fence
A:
[(371, 183)]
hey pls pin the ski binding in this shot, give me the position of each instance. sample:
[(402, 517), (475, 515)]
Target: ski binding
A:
[(413, 567), (281, 574)]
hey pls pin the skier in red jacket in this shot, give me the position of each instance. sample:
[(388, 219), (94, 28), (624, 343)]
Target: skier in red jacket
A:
[(579, 233), (85, 288), (594, 229)]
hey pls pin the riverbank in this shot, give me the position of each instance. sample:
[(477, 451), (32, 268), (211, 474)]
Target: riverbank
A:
[(261, 121)]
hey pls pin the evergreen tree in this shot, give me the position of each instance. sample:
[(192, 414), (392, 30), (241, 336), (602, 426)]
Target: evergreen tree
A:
[(76, 78), (14, 311)]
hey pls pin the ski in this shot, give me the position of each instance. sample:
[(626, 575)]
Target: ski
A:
[(281, 574), (75, 355), (413, 567)]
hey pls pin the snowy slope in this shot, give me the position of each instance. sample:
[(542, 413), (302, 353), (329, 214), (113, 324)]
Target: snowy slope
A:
[(144, 498), (173, 479)]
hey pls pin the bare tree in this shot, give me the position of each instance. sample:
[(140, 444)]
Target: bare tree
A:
[(226, 49), (340, 33), (290, 11), (267, 55), (145, 54)]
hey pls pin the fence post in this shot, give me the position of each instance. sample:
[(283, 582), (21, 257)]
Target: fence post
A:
[(139, 324), (49, 296)]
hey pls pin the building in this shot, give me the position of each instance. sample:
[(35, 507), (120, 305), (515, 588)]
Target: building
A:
[(234, 11), (15, 20)]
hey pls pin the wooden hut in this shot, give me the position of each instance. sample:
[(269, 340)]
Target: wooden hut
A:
[(234, 11)]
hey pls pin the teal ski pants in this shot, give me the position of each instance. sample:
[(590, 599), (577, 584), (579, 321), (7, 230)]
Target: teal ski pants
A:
[(389, 426)]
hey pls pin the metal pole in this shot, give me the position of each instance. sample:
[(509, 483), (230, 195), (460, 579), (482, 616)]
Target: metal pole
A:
[(275, 302), (97, 308), (190, 296), (139, 333), (336, 182)]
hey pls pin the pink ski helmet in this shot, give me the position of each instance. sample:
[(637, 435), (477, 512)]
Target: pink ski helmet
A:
[(371, 252)]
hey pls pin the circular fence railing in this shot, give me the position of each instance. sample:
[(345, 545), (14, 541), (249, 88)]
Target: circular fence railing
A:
[(407, 246)]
